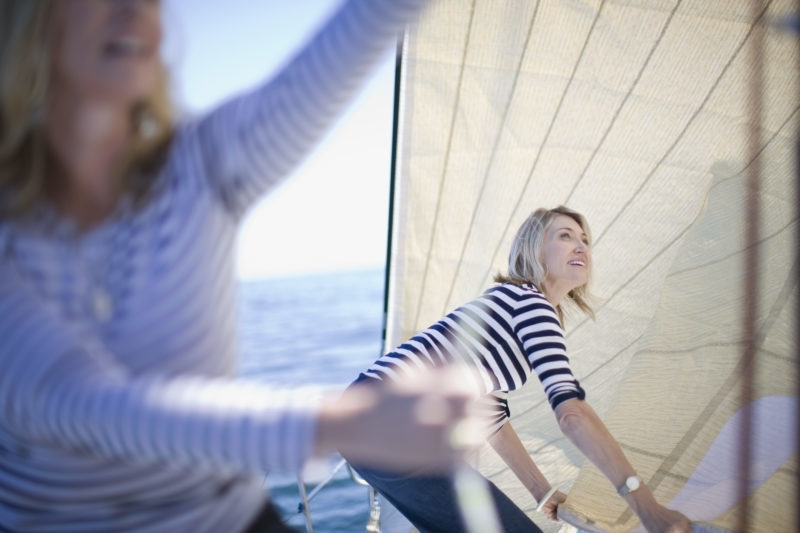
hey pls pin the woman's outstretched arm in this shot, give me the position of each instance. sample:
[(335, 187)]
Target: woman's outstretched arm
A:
[(63, 387), (583, 427)]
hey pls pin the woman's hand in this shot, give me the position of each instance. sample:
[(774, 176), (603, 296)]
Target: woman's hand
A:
[(421, 424), (583, 427), (663, 520), (550, 507)]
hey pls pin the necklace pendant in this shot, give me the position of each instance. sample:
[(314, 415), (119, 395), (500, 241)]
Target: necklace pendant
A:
[(102, 307)]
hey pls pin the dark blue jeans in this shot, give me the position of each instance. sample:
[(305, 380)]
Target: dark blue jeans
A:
[(429, 502)]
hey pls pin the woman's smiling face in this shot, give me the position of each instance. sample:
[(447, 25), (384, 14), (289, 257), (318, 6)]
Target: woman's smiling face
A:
[(566, 256), (107, 49)]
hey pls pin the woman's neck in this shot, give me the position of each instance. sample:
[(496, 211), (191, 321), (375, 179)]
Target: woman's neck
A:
[(554, 294), (88, 140)]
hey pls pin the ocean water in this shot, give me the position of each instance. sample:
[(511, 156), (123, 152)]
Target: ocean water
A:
[(315, 329)]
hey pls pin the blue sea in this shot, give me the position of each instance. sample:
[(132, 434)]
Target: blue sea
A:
[(322, 329)]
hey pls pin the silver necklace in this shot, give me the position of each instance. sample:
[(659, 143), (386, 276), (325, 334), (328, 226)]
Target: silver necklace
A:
[(99, 269), (102, 304), (91, 254)]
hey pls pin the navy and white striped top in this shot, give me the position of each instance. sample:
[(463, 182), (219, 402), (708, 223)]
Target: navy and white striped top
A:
[(119, 409), (503, 335)]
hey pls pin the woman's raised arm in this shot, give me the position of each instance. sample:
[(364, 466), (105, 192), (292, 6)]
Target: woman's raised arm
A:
[(253, 142)]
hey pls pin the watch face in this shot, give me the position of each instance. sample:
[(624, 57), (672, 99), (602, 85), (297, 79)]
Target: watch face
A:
[(632, 483)]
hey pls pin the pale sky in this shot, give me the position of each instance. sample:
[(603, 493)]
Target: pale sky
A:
[(331, 214)]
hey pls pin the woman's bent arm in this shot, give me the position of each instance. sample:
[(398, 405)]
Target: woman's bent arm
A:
[(509, 447)]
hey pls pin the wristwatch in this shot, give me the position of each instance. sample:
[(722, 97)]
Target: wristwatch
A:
[(631, 484)]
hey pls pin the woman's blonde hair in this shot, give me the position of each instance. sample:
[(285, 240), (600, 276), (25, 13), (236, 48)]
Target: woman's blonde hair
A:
[(26, 43), (525, 265)]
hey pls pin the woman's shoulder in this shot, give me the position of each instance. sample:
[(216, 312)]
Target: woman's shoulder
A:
[(516, 291), (524, 299)]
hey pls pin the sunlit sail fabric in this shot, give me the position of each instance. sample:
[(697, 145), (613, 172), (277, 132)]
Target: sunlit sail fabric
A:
[(634, 113)]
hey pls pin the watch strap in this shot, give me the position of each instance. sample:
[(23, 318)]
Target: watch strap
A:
[(624, 489)]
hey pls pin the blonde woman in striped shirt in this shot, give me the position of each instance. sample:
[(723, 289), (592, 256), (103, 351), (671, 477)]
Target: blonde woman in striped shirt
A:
[(503, 337), (119, 404)]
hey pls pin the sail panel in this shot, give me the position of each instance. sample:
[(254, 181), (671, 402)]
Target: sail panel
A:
[(635, 113)]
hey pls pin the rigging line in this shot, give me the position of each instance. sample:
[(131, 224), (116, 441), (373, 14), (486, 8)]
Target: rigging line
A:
[(546, 137), (797, 260), (786, 358), (695, 347), (450, 134), (688, 124), (495, 146), (752, 262), (624, 101), (737, 252)]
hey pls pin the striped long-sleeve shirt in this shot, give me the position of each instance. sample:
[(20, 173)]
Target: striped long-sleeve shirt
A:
[(502, 336), (119, 407)]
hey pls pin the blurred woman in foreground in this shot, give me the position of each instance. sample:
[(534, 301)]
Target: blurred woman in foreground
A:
[(120, 407)]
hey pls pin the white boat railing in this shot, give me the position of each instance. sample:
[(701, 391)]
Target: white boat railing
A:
[(373, 522)]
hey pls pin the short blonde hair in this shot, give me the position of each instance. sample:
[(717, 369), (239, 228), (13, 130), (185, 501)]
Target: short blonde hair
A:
[(525, 264), (26, 30)]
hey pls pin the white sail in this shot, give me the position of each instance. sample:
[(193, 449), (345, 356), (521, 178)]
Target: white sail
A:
[(635, 113)]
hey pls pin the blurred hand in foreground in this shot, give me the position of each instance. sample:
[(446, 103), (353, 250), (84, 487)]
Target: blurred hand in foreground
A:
[(423, 423)]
